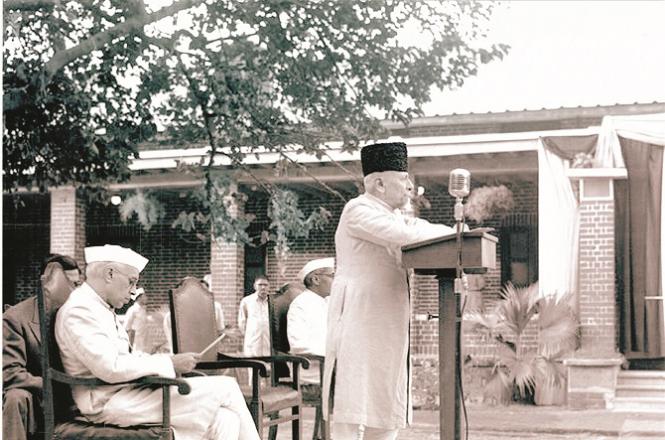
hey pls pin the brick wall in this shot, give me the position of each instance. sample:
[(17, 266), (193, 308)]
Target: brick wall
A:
[(173, 253), (25, 243), (68, 219), (424, 339), (596, 279)]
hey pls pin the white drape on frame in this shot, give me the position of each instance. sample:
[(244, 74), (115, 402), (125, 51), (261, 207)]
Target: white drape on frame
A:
[(558, 226), (644, 128)]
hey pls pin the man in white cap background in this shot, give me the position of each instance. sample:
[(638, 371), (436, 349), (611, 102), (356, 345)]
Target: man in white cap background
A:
[(92, 343), (369, 308), (308, 313)]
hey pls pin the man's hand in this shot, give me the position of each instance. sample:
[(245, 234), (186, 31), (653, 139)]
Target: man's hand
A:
[(233, 332), (184, 362)]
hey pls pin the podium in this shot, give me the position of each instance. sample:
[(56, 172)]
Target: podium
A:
[(438, 256)]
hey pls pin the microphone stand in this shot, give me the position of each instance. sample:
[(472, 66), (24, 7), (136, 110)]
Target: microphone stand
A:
[(458, 289)]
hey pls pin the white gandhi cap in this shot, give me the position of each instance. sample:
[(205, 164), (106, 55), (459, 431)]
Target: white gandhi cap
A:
[(116, 254), (313, 265)]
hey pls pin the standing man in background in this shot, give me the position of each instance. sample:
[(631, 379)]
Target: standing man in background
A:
[(253, 316), (136, 323), (367, 346)]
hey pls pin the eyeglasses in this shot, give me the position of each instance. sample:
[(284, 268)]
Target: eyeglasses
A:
[(132, 280)]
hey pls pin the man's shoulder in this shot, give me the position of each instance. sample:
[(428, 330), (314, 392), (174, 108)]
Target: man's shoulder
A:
[(364, 202), (305, 299), (248, 298), (21, 311), (360, 200)]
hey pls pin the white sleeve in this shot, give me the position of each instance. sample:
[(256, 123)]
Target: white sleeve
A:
[(129, 318), (297, 329), (85, 337), (385, 229), (219, 317), (242, 315)]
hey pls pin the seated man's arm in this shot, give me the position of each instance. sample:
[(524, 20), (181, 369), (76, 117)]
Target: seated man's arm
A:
[(298, 329), (14, 359), (83, 337)]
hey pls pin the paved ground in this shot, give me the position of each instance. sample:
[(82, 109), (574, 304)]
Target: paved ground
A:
[(527, 422)]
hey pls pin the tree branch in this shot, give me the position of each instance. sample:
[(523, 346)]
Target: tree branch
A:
[(97, 41), (62, 58), (313, 177), (27, 5)]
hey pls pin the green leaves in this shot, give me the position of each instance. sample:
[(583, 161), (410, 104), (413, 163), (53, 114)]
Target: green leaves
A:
[(488, 201), (146, 208), (288, 220), (86, 83), (518, 363)]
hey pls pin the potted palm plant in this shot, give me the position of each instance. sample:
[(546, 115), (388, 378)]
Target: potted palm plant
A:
[(523, 368)]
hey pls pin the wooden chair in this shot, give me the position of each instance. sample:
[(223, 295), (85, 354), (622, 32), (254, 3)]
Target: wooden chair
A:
[(61, 419), (279, 345), (193, 328)]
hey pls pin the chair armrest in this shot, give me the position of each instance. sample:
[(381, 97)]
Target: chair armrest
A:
[(230, 362), (59, 376), (283, 358), (311, 357), (183, 386)]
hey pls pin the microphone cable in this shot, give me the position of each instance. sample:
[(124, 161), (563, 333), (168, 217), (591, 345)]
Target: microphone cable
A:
[(461, 298)]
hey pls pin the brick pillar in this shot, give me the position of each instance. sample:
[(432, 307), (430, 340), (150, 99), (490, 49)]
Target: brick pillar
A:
[(68, 223), (596, 299), (227, 267), (593, 369)]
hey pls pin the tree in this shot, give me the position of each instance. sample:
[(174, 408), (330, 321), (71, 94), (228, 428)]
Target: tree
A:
[(86, 82)]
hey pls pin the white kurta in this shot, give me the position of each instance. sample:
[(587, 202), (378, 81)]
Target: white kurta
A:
[(306, 330), (92, 343), (138, 320), (253, 316), (369, 315)]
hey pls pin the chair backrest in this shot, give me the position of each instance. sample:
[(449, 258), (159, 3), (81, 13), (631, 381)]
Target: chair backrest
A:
[(278, 308), (193, 322), (53, 285)]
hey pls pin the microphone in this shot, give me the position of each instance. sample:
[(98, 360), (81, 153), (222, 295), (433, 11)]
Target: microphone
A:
[(459, 184)]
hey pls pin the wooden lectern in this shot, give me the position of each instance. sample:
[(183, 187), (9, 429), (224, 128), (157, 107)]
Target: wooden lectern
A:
[(438, 256)]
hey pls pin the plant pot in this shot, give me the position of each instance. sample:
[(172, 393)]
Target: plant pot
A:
[(548, 393)]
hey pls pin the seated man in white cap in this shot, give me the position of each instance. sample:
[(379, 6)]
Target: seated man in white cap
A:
[(92, 343), (308, 313)]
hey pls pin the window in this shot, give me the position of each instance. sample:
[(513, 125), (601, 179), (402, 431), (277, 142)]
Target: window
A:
[(519, 255), (255, 265)]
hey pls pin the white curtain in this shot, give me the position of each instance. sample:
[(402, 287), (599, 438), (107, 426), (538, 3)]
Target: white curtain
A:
[(558, 226), (643, 128)]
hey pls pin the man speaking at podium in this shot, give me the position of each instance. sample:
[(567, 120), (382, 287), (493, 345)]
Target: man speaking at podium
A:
[(367, 370)]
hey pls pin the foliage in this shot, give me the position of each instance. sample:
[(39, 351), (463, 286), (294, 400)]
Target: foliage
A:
[(289, 221), (220, 202), (146, 209), (516, 366), (86, 82), (488, 201), (582, 160)]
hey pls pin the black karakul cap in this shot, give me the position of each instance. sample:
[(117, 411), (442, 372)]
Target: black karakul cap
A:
[(390, 156)]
